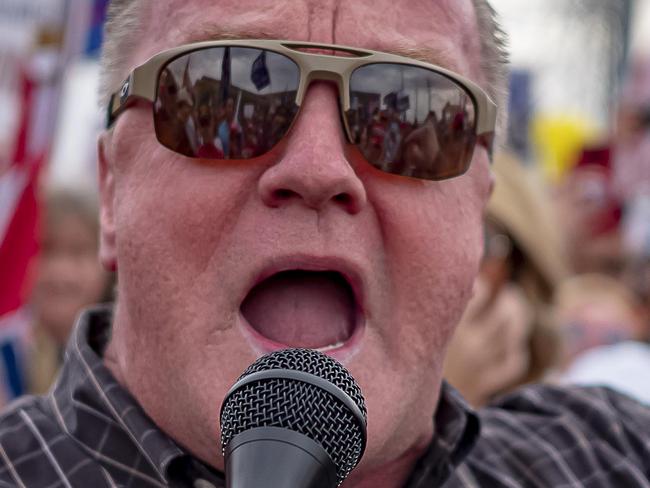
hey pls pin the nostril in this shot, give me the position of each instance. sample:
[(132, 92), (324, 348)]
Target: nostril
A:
[(286, 184), (343, 198), (284, 194)]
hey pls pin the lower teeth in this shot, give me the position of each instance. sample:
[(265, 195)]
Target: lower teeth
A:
[(330, 347)]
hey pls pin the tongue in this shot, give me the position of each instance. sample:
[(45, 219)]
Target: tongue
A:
[(302, 309)]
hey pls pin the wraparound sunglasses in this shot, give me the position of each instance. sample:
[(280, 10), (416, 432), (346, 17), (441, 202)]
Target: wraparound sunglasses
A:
[(238, 99)]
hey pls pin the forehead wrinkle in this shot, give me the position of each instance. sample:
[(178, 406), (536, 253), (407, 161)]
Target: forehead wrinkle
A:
[(186, 21), (216, 32), (437, 56), (438, 51), (445, 36)]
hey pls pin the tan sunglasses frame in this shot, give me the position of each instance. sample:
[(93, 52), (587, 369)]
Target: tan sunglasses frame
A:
[(143, 80)]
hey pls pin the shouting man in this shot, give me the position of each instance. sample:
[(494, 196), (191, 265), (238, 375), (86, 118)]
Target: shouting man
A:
[(302, 233)]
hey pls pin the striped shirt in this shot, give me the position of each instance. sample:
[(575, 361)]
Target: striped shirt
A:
[(90, 432)]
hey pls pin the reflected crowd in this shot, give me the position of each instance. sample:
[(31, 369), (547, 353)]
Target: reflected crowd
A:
[(210, 104)]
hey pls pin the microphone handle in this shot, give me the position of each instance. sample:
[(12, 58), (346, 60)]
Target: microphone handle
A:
[(274, 457)]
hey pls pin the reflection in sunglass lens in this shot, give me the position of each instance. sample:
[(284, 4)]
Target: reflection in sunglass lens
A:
[(225, 102), (411, 121)]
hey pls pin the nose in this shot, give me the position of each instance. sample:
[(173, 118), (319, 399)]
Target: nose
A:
[(313, 171)]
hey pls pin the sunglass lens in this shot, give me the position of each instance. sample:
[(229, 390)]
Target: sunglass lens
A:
[(225, 102), (411, 121)]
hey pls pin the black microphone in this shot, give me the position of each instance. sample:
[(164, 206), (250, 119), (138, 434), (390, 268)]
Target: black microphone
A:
[(295, 418)]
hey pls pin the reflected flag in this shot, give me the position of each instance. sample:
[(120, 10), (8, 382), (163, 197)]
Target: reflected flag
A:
[(186, 92), (403, 102), (260, 73), (225, 75), (398, 101), (390, 100)]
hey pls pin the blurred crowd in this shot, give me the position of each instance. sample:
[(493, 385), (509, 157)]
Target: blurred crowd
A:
[(207, 109), (563, 293), (564, 289), (68, 278)]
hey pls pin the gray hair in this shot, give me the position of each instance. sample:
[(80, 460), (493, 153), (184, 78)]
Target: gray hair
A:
[(494, 60), (123, 29), (121, 34)]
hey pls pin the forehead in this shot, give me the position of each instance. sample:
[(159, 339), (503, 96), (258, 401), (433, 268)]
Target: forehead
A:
[(440, 31)]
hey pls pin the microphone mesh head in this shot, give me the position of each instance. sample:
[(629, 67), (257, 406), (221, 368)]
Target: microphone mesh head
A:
[(300, 406)]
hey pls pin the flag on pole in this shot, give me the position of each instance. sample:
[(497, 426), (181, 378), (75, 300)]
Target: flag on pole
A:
[(50, 26), (225, 76), (260, 73), (18, 246)]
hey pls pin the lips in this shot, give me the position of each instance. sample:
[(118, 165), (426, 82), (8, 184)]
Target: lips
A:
[(303, 308)]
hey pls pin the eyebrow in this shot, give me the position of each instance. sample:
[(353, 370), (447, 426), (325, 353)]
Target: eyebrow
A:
[(215, 32), (438, 57)]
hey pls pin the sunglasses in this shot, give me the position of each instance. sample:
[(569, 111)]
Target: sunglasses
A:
[(238, 100)]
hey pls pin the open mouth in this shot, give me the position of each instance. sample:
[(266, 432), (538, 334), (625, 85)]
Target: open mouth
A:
[(299, 308)]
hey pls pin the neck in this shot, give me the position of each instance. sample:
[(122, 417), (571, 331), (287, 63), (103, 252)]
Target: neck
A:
[(392, 475), (113, 365)]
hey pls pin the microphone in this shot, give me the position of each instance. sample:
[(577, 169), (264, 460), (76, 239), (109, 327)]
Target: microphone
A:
[(295, 418)]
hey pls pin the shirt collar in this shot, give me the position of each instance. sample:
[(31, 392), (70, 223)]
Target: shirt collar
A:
[(86, 392), (457, 428)]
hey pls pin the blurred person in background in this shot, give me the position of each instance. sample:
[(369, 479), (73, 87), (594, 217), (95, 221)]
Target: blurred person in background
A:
[(607, 332), (597, 307), (508, 336), (606, 335), (631, 144), (606, 313), (608, 230), (632, 179), (597, 310), (591, 213), (69, 277), (609, 182)]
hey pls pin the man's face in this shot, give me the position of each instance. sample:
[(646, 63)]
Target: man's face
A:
[(307, 246)]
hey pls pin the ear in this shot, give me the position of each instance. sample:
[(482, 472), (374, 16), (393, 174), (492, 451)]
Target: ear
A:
[(107, 248)]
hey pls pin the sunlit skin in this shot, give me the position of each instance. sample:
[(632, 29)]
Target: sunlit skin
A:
[(189, 238)]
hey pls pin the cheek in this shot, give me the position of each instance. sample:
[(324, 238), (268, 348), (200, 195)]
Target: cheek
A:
[(433, 234), (174, 216)]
